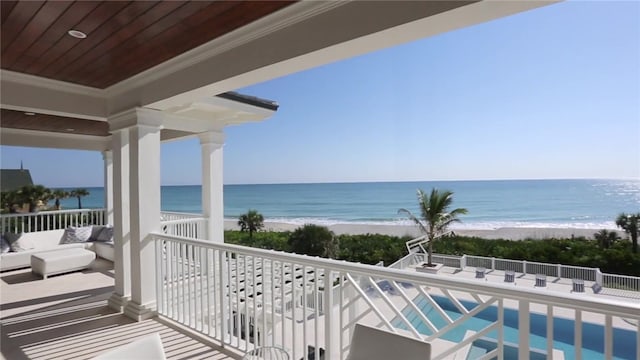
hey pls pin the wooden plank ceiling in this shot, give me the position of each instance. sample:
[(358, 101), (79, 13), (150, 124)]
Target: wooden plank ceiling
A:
[(41, 122), (124, 38)]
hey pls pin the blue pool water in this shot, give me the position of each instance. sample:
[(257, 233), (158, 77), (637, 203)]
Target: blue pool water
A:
[(624, 341)]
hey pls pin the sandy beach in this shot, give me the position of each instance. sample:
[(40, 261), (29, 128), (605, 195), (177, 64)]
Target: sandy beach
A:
[(511, 233)]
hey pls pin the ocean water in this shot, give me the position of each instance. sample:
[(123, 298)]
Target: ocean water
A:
[(588, 204)]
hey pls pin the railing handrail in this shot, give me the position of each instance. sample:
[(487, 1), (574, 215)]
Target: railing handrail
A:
[(622, 276), (50, 212), (182, 221), (586, 303)]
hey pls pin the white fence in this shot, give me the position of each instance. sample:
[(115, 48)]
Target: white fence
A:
[(244, 297), (612, 281), (50, 220), (189, 227), (170, 216)]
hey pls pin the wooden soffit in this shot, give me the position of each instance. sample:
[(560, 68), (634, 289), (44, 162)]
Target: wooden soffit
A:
[(124, 38)]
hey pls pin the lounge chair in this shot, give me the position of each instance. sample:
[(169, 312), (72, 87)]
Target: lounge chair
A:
[(369, 343)]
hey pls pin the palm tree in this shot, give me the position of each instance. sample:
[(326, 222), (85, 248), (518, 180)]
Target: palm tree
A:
[(79, 193), (606, 238), (630, 223), (434, 210), (59, 194), (252, 221), (33, 195)]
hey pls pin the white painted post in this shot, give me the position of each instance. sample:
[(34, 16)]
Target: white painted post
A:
[(463, 262), (212, 184), (524, 267), (107, 156), (559, 270), (493, 263), (121, 228), (599, 277), (523, 329), (144, 176)]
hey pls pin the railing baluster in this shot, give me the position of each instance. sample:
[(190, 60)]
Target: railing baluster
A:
[(245, 291), (549, 332), (305, 341), (523, 329), (294, 296), (608, 337), (272, 266), (316, 312), (577, 342)]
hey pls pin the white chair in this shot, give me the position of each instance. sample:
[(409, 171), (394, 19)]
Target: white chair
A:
[(148, 347), (369, 343)]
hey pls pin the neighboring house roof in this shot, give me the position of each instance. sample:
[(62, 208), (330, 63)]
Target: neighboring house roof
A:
[(250, 100), (12, 179)]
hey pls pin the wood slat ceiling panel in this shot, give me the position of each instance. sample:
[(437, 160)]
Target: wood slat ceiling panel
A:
[(19, 17), (38, 25), (124, 37), (5, 9), (171, 39), (135, 40), (103, 30), (93, 20), (18, 120), (74, 14)]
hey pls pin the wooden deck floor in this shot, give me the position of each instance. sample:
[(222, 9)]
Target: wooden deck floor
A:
[(67, 317)]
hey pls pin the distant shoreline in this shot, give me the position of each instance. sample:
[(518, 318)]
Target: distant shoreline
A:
[(509, 233)]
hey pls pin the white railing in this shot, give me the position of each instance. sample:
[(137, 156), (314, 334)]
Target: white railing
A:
[(620, 282), (193, 228), (170, 216), (244, 297), (612, 281), (50, 220)]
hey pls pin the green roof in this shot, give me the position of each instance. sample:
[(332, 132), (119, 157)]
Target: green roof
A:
[(12, 179)]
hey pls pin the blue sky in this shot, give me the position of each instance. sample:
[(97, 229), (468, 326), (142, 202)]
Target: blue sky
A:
[(550, 93)]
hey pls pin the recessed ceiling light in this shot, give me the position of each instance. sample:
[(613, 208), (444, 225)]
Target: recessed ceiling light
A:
[(77, 34), (29, 113), (70, 130)]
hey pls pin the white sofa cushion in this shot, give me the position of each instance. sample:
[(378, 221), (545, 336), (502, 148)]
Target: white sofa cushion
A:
[(20, 243), (74, 235)]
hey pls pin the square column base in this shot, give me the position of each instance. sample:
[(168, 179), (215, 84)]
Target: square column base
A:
[(139, 312), (118, 302)]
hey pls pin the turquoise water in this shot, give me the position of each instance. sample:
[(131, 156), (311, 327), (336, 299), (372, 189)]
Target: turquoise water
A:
[(624, 343), (491, 204)]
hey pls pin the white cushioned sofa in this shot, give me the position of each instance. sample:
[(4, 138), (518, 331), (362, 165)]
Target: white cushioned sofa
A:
[(26, 244)]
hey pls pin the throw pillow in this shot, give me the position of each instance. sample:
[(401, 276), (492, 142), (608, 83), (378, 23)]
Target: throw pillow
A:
[(19, 242), (74, 235), (106, 235), (95, 232), (5, 247)]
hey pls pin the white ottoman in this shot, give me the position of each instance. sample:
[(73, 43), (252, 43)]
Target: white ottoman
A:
[(61, 261)]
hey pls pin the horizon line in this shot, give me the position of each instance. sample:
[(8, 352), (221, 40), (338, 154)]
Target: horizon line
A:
[(376, 182)]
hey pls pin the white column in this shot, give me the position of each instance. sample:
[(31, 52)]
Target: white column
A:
[(121, 233), (212, 184), (107, 156), (144, 175)]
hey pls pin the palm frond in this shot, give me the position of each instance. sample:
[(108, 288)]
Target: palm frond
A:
[(414, 218)]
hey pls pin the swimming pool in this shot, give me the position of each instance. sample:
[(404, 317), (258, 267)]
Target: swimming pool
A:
[(624, 343)]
